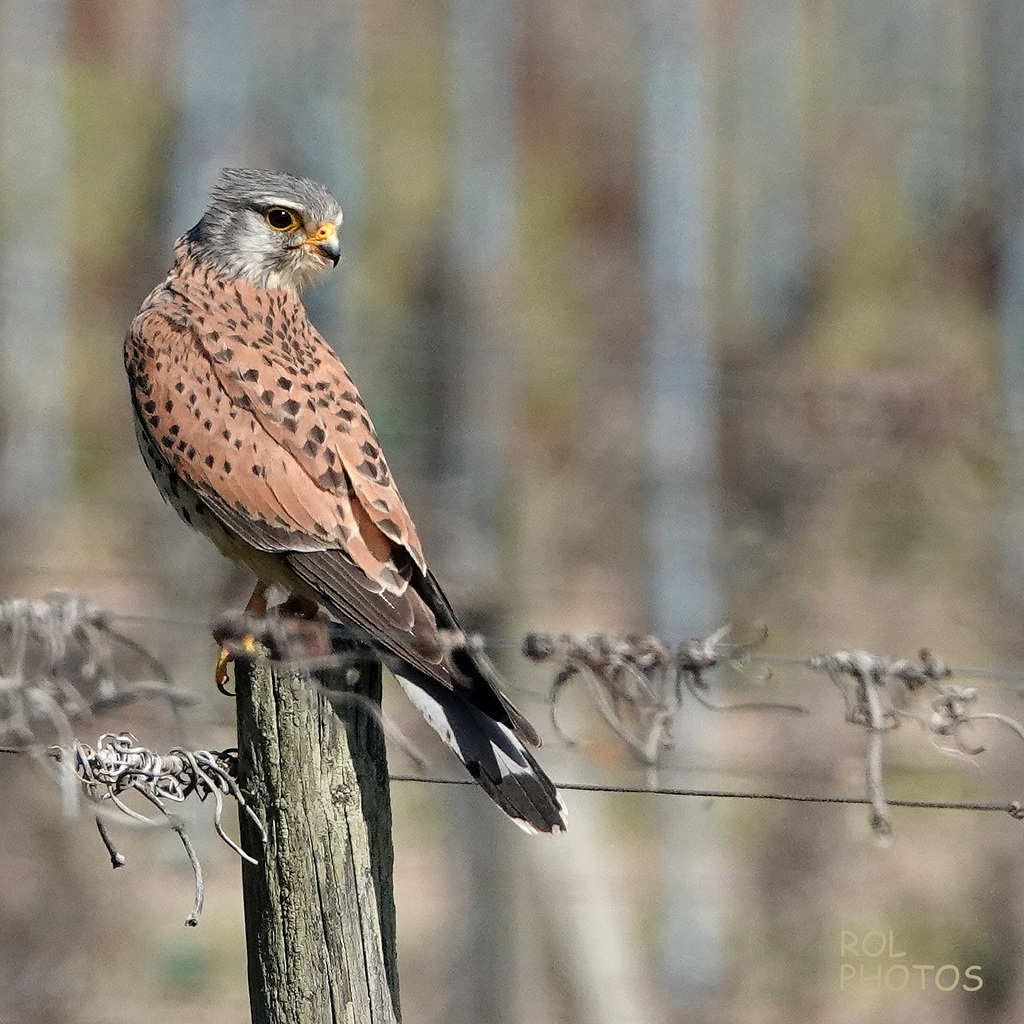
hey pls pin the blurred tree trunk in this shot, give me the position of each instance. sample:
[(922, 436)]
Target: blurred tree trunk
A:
[(485, 229), (1004, 39), (37, 447), (681, 399), (681, 379), (475, 359), (215, 99)]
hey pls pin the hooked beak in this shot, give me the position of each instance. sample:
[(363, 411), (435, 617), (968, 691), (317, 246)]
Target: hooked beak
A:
[(325, 242)]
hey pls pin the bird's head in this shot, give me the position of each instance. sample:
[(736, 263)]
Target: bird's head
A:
[(269, 228)]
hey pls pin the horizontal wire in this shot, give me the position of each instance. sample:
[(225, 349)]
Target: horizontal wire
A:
[(1012, 807)]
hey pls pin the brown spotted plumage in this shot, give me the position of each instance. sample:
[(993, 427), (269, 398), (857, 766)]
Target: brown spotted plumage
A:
[(255, 433)]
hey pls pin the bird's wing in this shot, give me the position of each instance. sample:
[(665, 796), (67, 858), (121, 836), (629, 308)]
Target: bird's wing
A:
[(260, 418)]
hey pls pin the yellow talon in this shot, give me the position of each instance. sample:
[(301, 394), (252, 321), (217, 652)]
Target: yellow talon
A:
[(220, 675), (224, 658)]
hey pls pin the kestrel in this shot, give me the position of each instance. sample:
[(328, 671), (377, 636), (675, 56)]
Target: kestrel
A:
[(256, 435)]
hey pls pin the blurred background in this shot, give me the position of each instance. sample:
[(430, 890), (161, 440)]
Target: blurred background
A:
[(669, 314)]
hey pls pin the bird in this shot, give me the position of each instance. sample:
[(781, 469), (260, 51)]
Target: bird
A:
[(256, 435)]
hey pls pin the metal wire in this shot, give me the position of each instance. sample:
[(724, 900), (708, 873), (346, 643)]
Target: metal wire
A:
[(1013, 807)]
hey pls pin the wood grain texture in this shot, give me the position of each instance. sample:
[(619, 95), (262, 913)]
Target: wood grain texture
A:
[(319, 905)]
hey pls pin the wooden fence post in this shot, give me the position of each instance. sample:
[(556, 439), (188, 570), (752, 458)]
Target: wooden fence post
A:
[(319, 904)]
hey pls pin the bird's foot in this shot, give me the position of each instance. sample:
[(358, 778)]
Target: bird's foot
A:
[(225, 657), (257, 605)]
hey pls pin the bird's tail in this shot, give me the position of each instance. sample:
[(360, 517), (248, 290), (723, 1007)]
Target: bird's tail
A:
[(494, 756)]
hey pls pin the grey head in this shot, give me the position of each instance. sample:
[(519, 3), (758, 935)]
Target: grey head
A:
[(269, 228)]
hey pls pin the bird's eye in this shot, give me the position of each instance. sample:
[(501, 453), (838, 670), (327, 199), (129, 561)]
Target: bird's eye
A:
[(282, 219)]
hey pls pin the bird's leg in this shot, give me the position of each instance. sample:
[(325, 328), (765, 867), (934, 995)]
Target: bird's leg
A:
[(257, 605)]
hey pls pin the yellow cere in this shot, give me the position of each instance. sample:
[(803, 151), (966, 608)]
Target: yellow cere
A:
[(323, 233)]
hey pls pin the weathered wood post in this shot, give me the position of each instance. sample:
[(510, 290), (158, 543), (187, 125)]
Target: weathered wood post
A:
[(319, 903)]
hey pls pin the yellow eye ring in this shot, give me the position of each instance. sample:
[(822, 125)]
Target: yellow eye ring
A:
[(280, 218)]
